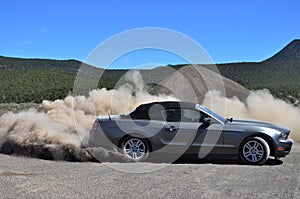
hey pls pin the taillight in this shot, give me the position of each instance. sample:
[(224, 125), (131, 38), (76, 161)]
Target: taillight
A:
[(95, 124)]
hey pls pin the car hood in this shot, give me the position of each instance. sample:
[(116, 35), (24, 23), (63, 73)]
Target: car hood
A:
[(257, 123)]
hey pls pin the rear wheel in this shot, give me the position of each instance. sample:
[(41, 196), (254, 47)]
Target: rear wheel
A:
[(254, 150), (136, 149)]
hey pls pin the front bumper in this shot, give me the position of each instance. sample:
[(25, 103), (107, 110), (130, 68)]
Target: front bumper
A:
[(283, 148)]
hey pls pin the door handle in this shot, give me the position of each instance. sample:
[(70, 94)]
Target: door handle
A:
[(172, 128)]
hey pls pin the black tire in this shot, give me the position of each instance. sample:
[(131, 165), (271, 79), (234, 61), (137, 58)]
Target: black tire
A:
[(136, 149), (255, 151)]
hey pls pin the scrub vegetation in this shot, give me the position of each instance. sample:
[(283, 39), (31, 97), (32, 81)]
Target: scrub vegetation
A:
[(34, 80)]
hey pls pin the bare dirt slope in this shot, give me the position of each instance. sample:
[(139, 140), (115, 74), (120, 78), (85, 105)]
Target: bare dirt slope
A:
[(195, 80), (35, 178)]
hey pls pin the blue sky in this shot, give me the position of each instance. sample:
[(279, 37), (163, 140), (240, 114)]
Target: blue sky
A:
[(230, 31)]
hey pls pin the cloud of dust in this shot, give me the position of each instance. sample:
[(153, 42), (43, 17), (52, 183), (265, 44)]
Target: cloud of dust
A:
[(260, 105), (56, 128)]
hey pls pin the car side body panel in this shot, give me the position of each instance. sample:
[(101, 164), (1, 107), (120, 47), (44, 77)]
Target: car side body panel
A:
[(218, 137)]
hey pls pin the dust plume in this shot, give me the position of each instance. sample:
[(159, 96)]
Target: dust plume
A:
[(56, 128), (259, 105)]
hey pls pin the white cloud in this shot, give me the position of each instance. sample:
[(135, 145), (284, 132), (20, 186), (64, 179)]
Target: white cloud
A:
[(42, 29), (22, 43)]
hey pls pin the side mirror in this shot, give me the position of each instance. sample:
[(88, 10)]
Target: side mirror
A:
[(207, 120)]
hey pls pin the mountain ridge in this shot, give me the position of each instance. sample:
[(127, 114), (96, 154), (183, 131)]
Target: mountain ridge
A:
[(18, 76), (290, 53)]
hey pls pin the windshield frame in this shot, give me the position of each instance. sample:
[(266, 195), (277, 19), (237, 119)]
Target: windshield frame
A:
[(212, 114)]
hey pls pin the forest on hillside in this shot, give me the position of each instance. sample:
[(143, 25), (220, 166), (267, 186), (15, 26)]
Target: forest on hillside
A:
[(33, 80)]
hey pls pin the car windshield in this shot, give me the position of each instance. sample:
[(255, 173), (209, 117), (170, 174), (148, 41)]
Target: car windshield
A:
[(211, 113)]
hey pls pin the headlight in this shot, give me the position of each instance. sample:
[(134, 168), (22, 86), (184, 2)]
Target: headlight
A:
[(283, 136)]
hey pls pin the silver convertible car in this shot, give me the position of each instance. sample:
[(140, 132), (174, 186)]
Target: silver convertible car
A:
[(183, 128)]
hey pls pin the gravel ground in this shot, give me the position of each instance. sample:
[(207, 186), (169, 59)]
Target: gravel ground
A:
[(34, 178)]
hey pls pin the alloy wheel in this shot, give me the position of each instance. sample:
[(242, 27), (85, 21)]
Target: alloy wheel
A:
[(135, 149), (253, 151)]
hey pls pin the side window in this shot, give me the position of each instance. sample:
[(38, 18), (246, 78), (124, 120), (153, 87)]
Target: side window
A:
[(190, 115), (184, 115), (173, 115), (158, 115)]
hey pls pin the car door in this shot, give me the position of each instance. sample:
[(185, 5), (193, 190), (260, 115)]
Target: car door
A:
[(209, 139), (180, 129), (186, 130)]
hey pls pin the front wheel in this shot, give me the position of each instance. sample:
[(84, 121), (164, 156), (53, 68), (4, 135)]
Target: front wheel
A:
[(136, 149), (254, 150)]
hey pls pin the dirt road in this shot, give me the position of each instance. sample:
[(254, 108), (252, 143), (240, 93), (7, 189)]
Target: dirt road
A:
[(34, 178)]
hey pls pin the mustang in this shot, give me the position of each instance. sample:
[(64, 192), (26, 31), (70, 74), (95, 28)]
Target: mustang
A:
[(187, 128)]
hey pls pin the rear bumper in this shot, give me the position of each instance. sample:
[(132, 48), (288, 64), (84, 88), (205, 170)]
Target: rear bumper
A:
[(283, 148), (98, 139)]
